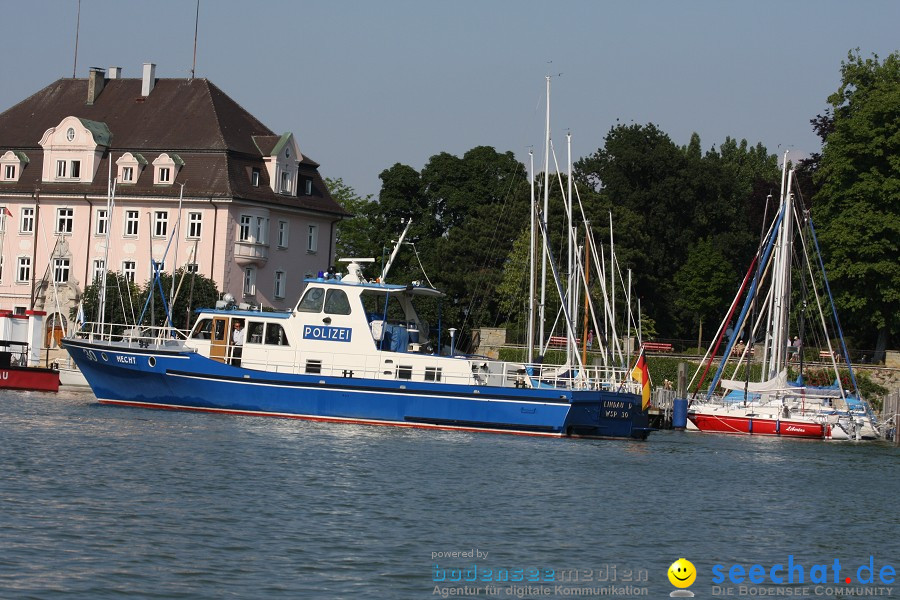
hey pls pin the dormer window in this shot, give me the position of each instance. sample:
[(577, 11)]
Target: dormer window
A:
[(73, 150), (130, 167), (11, 165), (286, 181), (309, 187), (166, 168), (254, 177)]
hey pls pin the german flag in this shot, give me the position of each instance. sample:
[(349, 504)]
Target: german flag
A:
[(641, 374)]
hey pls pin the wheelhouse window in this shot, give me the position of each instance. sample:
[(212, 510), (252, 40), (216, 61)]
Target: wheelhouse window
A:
[(65, 218), (202, 329), (336, 303), (275, 335), (255, 332), (312, 300)]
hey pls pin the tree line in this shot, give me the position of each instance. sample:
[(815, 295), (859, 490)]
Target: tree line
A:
[(686, 220)]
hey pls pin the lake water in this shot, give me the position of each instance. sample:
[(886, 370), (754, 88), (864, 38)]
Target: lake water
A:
[(107, 502)]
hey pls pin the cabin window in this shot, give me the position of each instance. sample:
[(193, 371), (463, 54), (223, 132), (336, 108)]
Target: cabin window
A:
[(312, 300), (255, 332), (313, 367), (432, 373), (275, 335), (336, 303), (202, 329), (404, 372), (220, 330)]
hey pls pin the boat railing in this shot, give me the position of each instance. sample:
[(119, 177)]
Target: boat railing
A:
[(133, 336)]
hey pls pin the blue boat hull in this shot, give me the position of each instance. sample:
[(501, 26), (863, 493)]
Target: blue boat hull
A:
[(175, 379)]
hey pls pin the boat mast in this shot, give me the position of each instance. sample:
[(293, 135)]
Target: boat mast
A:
[(543, 303), (390, 261), (570, 304), (776, 333), (529, 342)]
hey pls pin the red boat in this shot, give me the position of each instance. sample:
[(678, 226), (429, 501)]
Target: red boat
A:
[(762, 425), (37, 379)]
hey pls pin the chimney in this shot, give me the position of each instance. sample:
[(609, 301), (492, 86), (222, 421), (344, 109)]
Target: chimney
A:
[(149, 79), (95, 84), (115, 72)]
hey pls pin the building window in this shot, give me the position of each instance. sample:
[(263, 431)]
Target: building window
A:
[(75, 169), (192, 267), (131, 223), (102, 222), (160, 223), (244, 233), (262, 230), (9, 173), (282, 234), (60, 270), (99, 265), (309, 187), (254, 177), (195, 220), (4, 213), (249, 281), (312, 240), (279, 284), (26, 221), (23, 273), (285, 182), (70, 134), (60, 169), (64, 220), (127, 174), (164, 174), (1, 267), (128, 270)]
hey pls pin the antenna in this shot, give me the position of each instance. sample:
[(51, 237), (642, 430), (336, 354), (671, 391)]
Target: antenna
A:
[(196, 25), (77, 27)]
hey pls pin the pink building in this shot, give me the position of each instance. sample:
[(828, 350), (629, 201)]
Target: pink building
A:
[(255, 215)]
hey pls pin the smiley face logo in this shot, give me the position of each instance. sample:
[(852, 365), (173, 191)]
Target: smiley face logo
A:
[(682, 573)]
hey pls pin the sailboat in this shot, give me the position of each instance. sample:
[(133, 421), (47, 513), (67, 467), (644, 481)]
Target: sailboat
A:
[(776, 405)]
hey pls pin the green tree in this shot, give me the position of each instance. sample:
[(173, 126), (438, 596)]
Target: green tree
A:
[(192, 291), (705, 283), (354, 235), (857, 207), (122, 300)]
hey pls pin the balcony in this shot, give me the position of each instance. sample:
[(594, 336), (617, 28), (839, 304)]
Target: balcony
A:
[(248, 254)]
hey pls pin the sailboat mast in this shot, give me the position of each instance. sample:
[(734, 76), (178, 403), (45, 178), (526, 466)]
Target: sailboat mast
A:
[(769, 344), (544, 217), (569, 234), (529, 342)]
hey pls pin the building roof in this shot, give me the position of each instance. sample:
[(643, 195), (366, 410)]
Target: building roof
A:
[(192, 118)]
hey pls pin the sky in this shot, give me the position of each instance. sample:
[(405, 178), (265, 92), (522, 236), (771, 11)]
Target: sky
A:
[(365, 84)]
